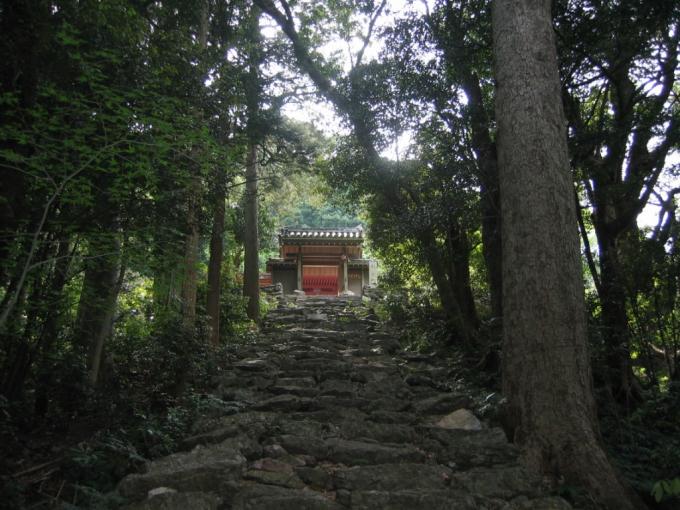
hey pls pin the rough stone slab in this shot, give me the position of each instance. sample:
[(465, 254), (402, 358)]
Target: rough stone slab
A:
[(303, 445), (307, 428), (338, 388), (298, 391), (202, 470), (393, 477), (381, 416), (412, 500), (386, 404), (362, 453), (461, 419), (547, 503), (212, 437), (470, 447), (286, 403), (315, 477), (173, 500), (504, 482), (253, 365), (384, 432), (270, 497), (252, 423), (304, 382), (278, 478), (441, 404)]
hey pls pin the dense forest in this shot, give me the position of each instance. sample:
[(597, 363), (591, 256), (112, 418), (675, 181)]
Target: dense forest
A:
[(515, 165)]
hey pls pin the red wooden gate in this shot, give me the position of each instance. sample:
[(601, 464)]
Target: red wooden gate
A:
[(320, 280)]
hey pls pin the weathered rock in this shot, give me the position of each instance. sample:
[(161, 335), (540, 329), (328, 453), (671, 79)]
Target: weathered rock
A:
[(214, 436), (315, 477), (202, 469), (441, 404), (460, 419), (253, 365), (173, 500), (503, 482), (468, 448), (361, 452), (386, 432), (269, 497), (298, 391), (303, 445), (412, 500), (549, 503), (381, 416), (393, 477), (286, 403), (280, 478), (336, 416)]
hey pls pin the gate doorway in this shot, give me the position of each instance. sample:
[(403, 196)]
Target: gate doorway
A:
[(320, 280)]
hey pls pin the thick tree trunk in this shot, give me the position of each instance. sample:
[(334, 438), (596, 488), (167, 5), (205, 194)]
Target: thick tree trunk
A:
[(251, 261), (614, 319), (215, 264), (546, 369)]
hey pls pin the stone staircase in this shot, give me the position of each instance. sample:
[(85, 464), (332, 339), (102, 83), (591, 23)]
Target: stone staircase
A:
[(327, 412)]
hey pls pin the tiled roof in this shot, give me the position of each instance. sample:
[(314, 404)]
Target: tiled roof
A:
[(351, 233)]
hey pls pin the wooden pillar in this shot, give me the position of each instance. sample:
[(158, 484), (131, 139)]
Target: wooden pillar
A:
[(363, 279), (299, 268), (345, 287)]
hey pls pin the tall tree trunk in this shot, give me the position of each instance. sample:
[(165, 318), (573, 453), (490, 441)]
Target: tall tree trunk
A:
[(97, 301), (48, 335), (191, 246), (215, 262), (251, 261), (192, 239), (546, 369), (13, 387), (458, 246), (614, 320), (449, 300)]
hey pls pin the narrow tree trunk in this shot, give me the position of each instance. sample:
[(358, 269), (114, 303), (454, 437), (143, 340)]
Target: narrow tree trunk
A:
[(192, 240), (48, 335), (546, 369), (190, 269), (447, 296), (251, 261), (215, 264), (97, 302), (459, 275)]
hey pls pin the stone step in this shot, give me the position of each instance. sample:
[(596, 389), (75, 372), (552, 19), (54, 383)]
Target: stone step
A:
[(327, 411)]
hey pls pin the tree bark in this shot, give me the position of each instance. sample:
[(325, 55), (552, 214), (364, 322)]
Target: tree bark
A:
[(215, 262), (251, 257), (251, 260), (449, 300), (458, 246), (97, 302), (546, 369), (191, 242)]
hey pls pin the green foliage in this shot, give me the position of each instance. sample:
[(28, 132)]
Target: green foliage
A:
[(666, 489), (411, 310), (646, 444)]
